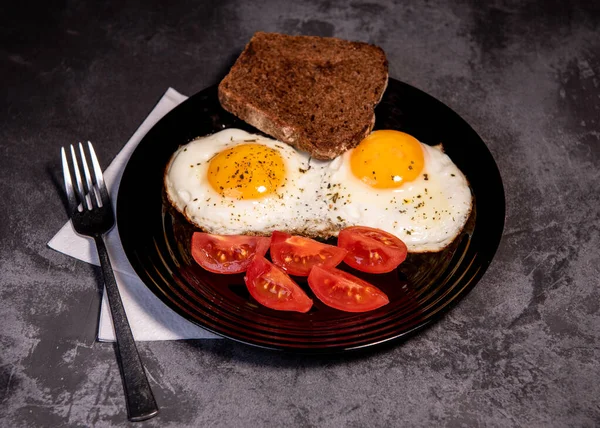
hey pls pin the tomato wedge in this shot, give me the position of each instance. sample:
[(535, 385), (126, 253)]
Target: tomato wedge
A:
[(227, 254), (345, 292), (272, 287), (371, 250), (297, 255)]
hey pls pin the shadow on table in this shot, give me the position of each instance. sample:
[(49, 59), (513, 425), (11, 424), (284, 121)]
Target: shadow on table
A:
[(229, 349)]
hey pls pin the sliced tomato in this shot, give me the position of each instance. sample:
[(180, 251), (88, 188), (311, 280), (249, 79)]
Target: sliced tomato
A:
[(297, 255), (345, 292), (371, 250), (227, 253), (272, 287)]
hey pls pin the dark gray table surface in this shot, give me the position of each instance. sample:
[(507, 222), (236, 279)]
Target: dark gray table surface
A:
[(522, 349)]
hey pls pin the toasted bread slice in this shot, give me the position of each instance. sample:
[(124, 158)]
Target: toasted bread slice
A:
[(317, 94)]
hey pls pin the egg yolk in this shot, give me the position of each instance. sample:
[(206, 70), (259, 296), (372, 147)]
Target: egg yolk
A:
[(387, 159), (247, 171)]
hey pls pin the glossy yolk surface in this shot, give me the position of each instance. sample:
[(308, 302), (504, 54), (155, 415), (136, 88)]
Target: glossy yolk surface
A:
[(247, 171), (387, 159)]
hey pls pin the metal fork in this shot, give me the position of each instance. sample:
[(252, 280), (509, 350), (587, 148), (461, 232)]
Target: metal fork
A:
[(92, 215)]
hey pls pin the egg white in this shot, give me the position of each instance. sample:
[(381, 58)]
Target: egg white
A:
[(295, 207)]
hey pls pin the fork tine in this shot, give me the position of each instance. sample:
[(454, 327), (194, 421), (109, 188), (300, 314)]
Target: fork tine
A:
[(91, 193), (80, 190), (68, 183), (103, 196)]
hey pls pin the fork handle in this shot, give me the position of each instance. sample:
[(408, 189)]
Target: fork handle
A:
[(141, 404)]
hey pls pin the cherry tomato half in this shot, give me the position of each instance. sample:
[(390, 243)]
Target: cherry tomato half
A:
[(297, 255), (343, 291), (227, 254), (273, 288), (371, 250)]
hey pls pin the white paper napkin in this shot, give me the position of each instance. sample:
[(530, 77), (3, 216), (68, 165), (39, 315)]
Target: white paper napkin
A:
[(150, 319)]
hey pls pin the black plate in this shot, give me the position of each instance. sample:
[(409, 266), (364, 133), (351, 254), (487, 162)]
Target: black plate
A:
[(156, 238)]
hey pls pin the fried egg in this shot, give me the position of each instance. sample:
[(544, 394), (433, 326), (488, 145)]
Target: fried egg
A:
[(233, 182), (393, 182)]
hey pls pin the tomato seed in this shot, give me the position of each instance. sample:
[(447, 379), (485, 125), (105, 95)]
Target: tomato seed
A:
[(262, 283)]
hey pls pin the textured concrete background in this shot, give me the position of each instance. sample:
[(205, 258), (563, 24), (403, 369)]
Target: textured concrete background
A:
[(522, 349)]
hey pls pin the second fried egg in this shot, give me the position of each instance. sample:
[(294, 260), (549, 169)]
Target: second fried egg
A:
[(393, 182)]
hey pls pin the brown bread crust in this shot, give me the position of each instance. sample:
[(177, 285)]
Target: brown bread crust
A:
[(317, 94)]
